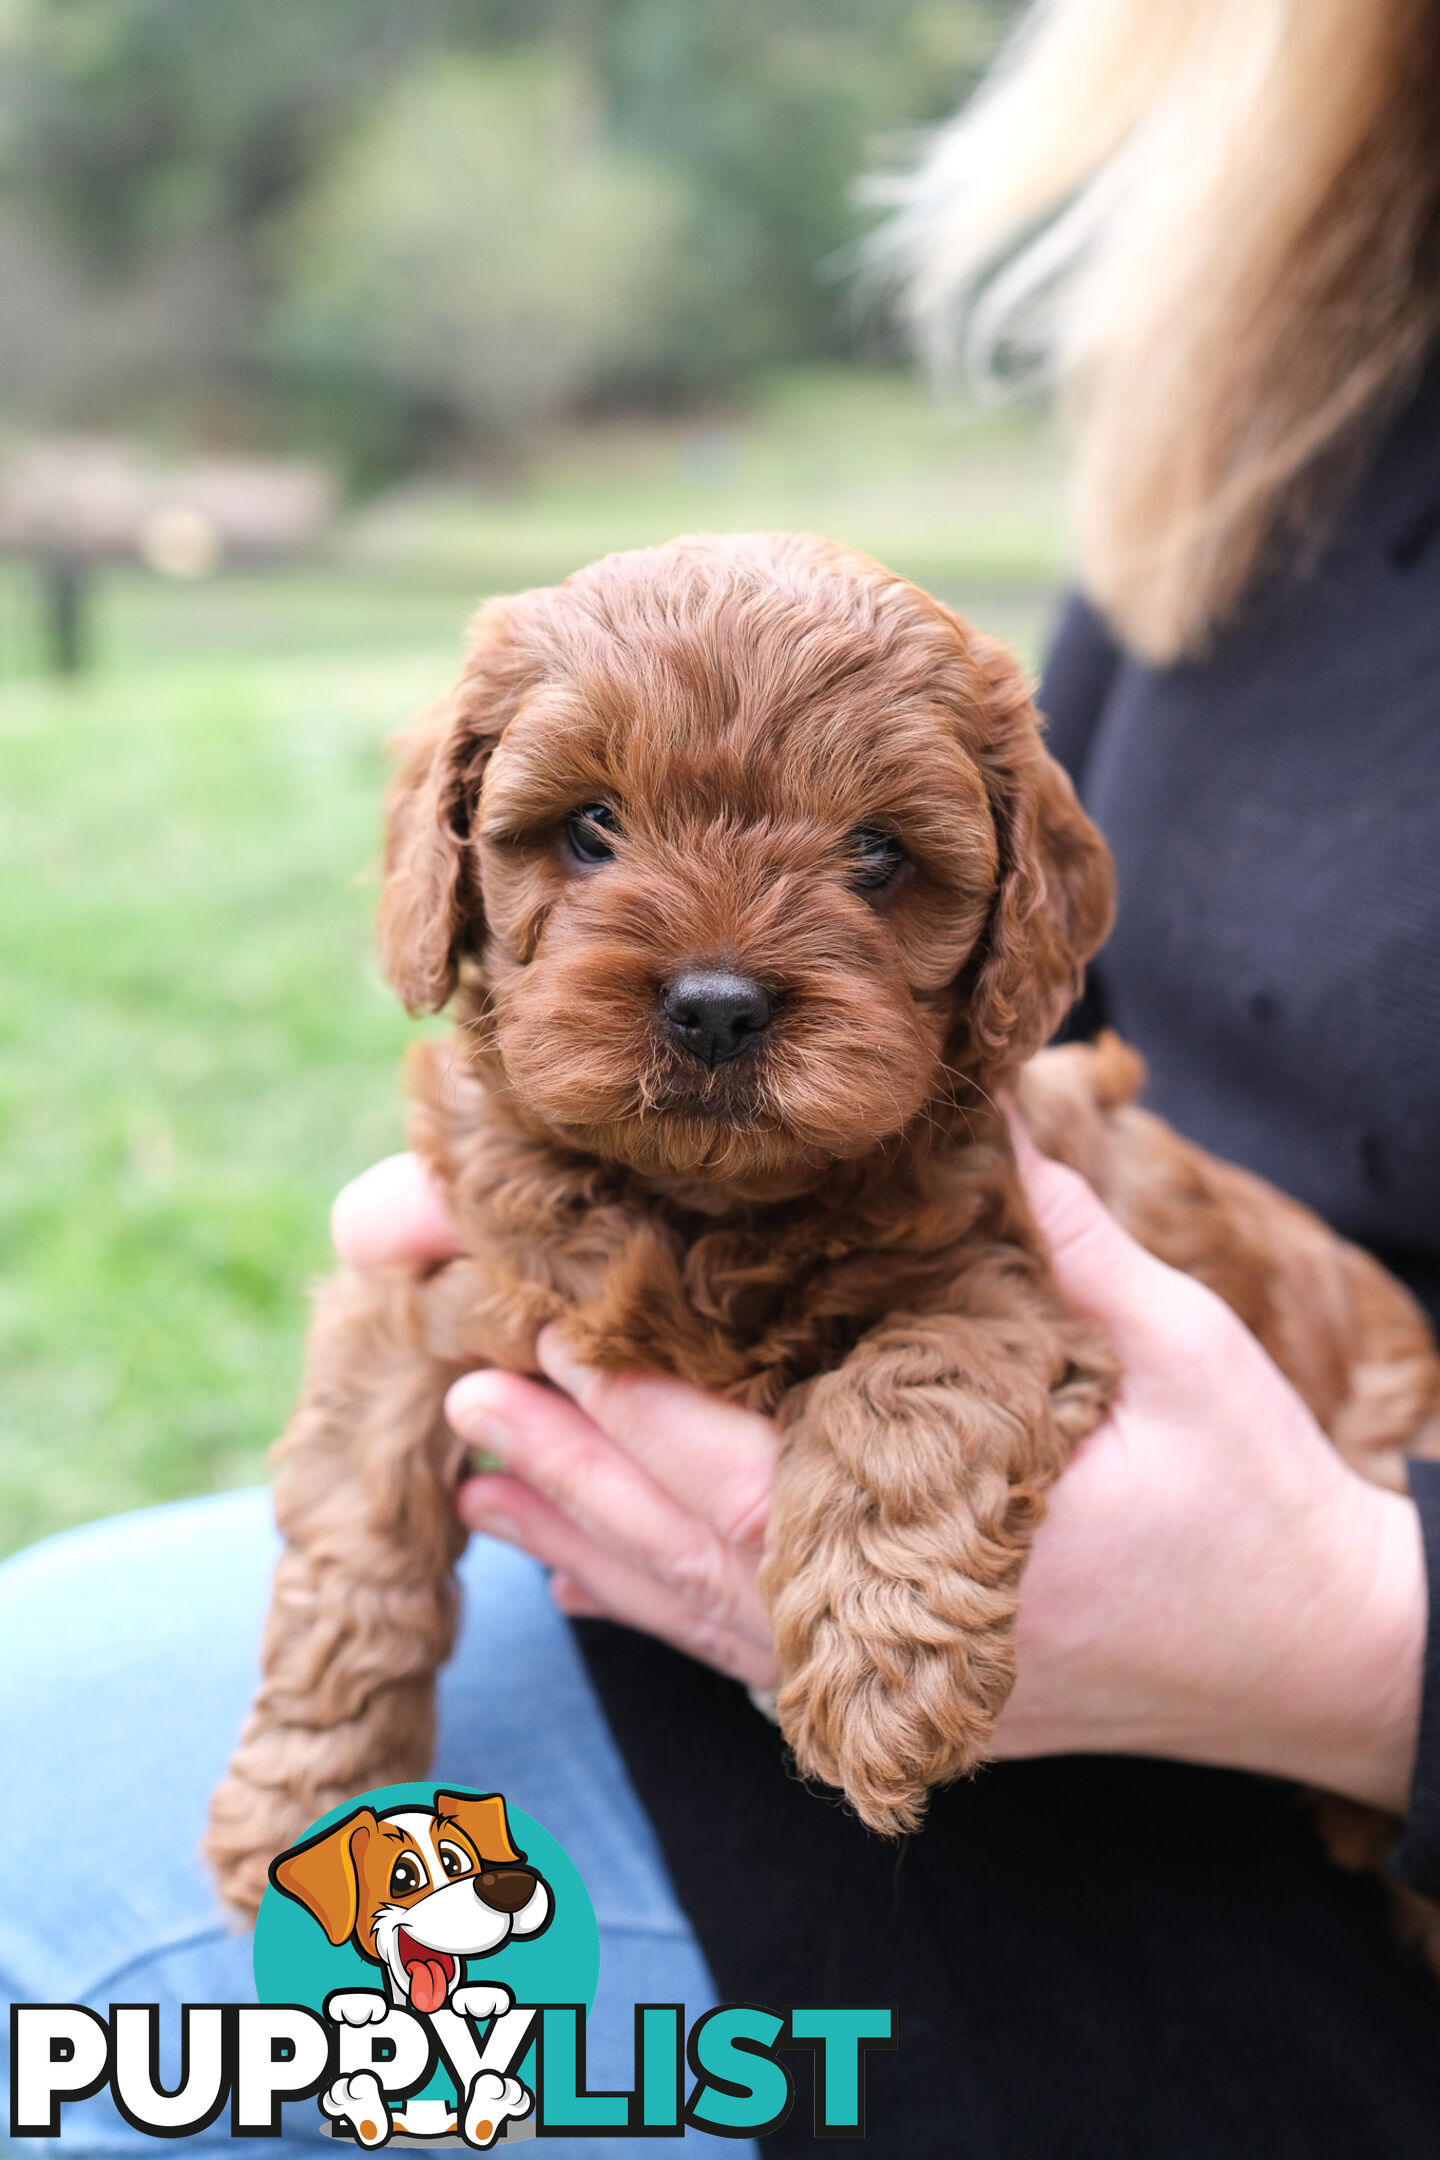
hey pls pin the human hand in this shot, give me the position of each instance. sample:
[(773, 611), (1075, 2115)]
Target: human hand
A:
[(1211, 1582), (646, 1498)]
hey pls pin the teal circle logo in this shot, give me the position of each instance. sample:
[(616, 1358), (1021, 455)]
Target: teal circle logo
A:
[(429, 1910)]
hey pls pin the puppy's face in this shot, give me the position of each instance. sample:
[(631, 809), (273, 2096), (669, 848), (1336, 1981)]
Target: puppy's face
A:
[(745, 852)]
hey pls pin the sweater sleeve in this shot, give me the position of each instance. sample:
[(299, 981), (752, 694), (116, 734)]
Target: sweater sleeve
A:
[(1417, 1857)]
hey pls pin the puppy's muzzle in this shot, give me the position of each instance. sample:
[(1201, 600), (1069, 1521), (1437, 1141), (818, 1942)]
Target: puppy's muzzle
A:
[(505, 1889), (714, 1014)]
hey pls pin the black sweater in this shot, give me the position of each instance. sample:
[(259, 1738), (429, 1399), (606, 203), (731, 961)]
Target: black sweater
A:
[(1096, 1958)]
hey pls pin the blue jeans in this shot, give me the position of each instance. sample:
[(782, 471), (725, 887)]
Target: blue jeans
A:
[(128, 1653)]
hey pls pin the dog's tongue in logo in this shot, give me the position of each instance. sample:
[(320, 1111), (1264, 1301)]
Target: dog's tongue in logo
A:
[(427, 1986), (429, 1972)]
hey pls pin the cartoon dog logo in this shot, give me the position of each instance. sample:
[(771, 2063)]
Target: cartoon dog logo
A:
[(418, 1890)]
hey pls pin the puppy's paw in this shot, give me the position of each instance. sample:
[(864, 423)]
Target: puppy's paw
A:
[(480, 2001), (889, 1727), (277, 1784), (249, 1824), (362, 2104), (491, 2102), (357, 2006)]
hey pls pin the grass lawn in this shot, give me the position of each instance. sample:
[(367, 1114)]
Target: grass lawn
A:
[(195, 1047)]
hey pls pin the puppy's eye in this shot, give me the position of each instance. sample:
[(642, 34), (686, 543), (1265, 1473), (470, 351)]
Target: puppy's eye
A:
[(586, 828), (405, 1876), (453, 1861), (875, 857)]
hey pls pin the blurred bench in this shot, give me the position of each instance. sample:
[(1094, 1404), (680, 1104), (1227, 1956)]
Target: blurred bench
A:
[(70, 504)]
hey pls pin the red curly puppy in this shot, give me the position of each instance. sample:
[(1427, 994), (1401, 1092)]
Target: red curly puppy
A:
[(752, 882)]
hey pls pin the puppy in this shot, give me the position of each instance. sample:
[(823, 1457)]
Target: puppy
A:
[(751, 883), (418, 1891)]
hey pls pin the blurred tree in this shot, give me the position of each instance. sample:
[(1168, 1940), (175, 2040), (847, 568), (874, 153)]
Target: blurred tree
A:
[(132, 122), (774, 108), (480, 246), (174, 174), (143, 144)]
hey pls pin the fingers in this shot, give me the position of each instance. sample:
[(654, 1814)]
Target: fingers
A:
[(716, 1461), (393, 1215), (591, 1580), (1100, 1269), (572, 1597), (572, 1492)]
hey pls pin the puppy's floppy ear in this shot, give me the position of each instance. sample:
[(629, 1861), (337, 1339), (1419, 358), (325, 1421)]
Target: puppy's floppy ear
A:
[(483, 1819), (323, 1874), (430, 905), (1056, 898)]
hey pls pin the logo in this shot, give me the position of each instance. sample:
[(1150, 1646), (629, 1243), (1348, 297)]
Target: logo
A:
[(414, 1922), (425, 1960)]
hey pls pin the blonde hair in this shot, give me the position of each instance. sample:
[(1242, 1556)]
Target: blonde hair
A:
[(1217, 221)]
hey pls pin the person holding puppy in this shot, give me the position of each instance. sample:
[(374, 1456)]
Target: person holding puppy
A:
[(1232, 260), (1118, 1939)]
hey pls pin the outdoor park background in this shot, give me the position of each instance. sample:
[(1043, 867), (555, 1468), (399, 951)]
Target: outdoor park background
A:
[(534, 279)]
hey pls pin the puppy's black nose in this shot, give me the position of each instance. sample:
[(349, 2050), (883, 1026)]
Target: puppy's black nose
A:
[(505, 1889), (714, 1014)]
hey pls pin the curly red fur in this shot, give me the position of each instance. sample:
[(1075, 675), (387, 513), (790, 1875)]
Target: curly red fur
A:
[(829, 1227)]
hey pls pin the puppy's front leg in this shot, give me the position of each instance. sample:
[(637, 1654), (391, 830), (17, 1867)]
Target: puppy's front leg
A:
[(365, 1603), (906, 1495)]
